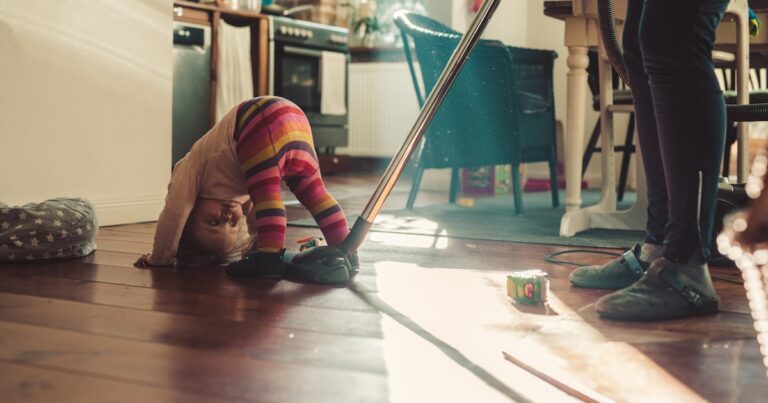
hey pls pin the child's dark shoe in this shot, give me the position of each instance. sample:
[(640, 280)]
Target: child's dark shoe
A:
[(668, 290), (258, 265), (614, 275)]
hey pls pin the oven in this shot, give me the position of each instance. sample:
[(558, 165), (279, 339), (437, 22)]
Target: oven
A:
[(309, 67)]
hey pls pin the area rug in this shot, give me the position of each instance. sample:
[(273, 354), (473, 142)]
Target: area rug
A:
[(494, 219)]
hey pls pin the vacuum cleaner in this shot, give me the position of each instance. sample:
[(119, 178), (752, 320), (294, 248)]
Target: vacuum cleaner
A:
[(333, 265)]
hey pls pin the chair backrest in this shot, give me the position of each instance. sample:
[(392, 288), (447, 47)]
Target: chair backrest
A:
[(593, 75), (532, 72), (479, 122), (409, 22)]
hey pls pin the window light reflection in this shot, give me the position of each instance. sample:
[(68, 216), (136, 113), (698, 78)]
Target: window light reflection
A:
[(438, 241)]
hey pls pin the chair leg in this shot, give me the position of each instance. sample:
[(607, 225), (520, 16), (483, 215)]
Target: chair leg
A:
[(517, 189), (730, 138), (553, 180), (591, 147), (727, 161), (454, 192), (628, 148), (418, 174)]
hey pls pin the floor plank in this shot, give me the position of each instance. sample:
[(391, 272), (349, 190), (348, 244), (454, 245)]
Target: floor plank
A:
[(117, 234), (207, 283), (247, 339), (117, 245), (357, 323), (146, 228), (22, 382), (186, 369), (730, 362)]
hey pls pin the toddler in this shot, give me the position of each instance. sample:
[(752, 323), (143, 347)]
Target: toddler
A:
[(234, 171)]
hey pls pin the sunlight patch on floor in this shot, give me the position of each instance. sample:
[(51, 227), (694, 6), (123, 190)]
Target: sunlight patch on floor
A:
[(441, 310), (580, 355), (469, 311), (440, 241), (418, 371), (421, 225)]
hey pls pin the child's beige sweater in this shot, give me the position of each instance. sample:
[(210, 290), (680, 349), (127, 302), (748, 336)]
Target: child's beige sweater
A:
[(210, 170)]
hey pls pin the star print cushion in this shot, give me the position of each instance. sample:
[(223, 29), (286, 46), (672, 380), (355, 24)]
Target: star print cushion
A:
[(54, 229)]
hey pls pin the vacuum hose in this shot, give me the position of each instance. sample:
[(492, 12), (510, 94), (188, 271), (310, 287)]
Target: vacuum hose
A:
[(747, 112), (607, 22)]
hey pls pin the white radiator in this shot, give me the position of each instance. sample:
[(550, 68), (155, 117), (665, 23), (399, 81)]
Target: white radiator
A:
[(382, 108)]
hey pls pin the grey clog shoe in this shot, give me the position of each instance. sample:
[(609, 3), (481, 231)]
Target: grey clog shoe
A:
[(616, 274), (668, 290)]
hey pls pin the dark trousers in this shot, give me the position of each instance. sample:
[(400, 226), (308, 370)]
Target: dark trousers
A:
[(680, 115)]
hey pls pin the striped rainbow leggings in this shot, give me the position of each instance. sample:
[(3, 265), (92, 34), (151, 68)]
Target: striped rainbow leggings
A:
[(274, 142)]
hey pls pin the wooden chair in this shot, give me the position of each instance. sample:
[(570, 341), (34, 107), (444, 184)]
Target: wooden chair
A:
[(621, 96)]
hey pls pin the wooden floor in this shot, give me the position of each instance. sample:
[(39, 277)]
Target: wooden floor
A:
[(426, 320)]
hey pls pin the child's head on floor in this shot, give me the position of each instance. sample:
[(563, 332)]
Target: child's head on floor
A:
[(215, 232)]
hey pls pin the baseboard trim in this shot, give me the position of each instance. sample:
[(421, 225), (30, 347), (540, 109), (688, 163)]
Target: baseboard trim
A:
[(128, 211)]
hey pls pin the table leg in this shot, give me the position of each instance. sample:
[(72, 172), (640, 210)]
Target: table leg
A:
[(739, 9), (608, 162), (574, 139)]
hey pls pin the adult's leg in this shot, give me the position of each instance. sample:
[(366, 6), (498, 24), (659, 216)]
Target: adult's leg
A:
[(628, 268), (645, 119), (677, 39)]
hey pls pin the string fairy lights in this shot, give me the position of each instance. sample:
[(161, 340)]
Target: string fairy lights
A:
[(751, 256)]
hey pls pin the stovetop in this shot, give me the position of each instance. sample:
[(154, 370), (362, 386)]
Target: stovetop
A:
[(309, 34)]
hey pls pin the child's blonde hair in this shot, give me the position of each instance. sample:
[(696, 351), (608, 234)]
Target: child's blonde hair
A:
[(190, 253)]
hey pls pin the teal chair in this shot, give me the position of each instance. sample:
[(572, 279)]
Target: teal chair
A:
[(499, 111)]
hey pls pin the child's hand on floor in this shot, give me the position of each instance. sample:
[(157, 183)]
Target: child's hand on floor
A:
[(143, 261)]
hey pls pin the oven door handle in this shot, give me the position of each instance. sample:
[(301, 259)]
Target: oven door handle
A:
[(303, 52)]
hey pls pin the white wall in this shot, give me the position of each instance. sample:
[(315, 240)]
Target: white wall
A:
[(507, 25), (382, 109), (85, 104)]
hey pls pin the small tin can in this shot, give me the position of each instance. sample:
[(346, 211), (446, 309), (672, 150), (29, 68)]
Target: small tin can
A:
[(528, 287)]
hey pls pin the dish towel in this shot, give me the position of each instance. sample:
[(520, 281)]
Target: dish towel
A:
[(333, 83), (234, 83)]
